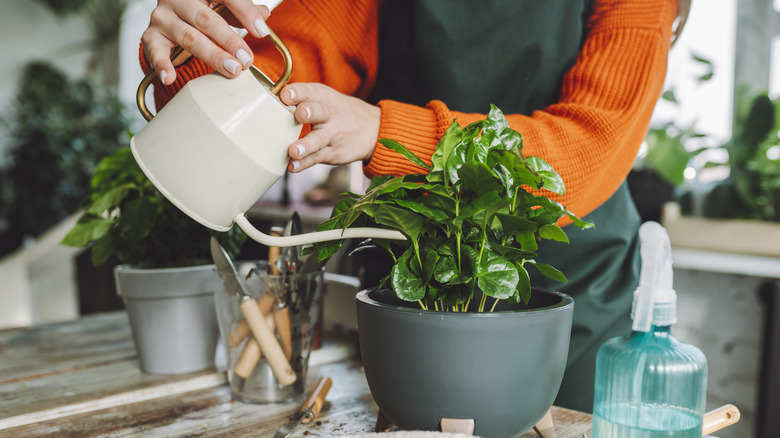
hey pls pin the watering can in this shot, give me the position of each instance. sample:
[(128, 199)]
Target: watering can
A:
[(221, 143)]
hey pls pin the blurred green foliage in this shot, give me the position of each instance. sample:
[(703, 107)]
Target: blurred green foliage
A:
[(57, 129)]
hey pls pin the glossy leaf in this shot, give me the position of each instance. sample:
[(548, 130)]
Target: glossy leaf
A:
[(478, 178), (406, 285), (550, 179), (496, 276), (523, 284), (549, 272), (553, 232), (401, 149)]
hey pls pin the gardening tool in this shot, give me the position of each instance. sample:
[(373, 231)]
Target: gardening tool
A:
[(257, 325), (221, 143), (311, 407), (278, 265), (719, 418)]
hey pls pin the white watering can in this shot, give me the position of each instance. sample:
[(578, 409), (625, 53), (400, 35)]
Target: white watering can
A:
[(221, 143)]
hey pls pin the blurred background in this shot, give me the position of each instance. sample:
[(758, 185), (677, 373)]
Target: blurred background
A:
[(709, 170)]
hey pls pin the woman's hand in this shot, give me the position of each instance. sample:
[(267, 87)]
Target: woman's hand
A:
[(343, 128), (194, 26)]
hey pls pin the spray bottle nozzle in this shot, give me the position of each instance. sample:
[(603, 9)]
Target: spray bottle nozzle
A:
[(655, 280)]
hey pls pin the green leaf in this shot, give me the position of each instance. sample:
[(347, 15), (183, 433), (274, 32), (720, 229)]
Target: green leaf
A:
[(478, 178), (424, 208), (483, 209), (407, 286), (430, 260), (523, 284), (550, 179), (516, 224), (88, 229), (401, 149), (446, 269), (667, 156), (527, 240), (549, 272), (514, 172), (582, 224), (441, 156), (103, 249), (496, 276), (405, 221), (137, 219), (553, 232), (111, 199), (669, 96), (513, 254), (495, 122), (512, 140)]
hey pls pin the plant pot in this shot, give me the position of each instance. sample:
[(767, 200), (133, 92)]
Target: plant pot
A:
[(172, 316), (501, 369)]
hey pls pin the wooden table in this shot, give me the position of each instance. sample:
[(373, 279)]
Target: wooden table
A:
[(81, 379)]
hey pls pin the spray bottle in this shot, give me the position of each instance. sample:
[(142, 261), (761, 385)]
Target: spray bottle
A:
[(649, 384)]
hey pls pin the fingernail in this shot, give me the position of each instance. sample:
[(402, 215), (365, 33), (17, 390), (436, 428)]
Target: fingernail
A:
[(261, 27), (296, 165), (231, 65), (300, 149), (292, 93), (243, 56), (308, 112), (163, 75)]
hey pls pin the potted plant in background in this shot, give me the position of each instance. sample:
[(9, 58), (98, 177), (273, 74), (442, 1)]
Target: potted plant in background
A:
[(166, 277), (743, 209), (667, 153), (461, 335)]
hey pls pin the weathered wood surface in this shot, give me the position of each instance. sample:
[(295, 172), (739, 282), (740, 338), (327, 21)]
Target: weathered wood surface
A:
[(90, 389)]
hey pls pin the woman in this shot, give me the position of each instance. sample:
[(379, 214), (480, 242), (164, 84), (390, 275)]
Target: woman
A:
[(578, 79)]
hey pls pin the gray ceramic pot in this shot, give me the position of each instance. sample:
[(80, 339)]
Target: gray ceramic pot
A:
[(501, 369), (172, 316)]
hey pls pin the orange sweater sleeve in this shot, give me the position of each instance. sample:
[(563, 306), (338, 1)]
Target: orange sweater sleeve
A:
[(592, 134)]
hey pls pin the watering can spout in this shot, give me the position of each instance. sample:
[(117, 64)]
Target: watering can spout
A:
[(319, 236)]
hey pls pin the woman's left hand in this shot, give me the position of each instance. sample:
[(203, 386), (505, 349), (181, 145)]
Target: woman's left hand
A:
[(343, 128)]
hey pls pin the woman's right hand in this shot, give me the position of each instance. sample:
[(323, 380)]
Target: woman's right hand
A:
[(194, 26)]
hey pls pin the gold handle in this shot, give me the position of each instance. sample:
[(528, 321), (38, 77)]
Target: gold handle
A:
[(315, 401), (179, 55)]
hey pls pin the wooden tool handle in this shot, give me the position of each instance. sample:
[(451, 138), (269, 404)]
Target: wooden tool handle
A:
[(274, 251), (248, 359), (238, 334), (317, 398), (717, 419), (241, 330), (282, 320), (268, 343), (251, 354)]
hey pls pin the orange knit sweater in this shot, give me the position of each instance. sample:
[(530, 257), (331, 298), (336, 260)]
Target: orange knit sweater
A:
[(590, 136)]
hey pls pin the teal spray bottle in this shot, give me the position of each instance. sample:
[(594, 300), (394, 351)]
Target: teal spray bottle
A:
[(649, 384)]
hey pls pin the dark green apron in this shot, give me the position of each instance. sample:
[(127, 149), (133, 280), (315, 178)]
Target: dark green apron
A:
[(513, 54)]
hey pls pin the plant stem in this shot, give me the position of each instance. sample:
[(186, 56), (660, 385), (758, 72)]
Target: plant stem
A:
[(424, 307), (481, 249), (494, 305), (482, 302)]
